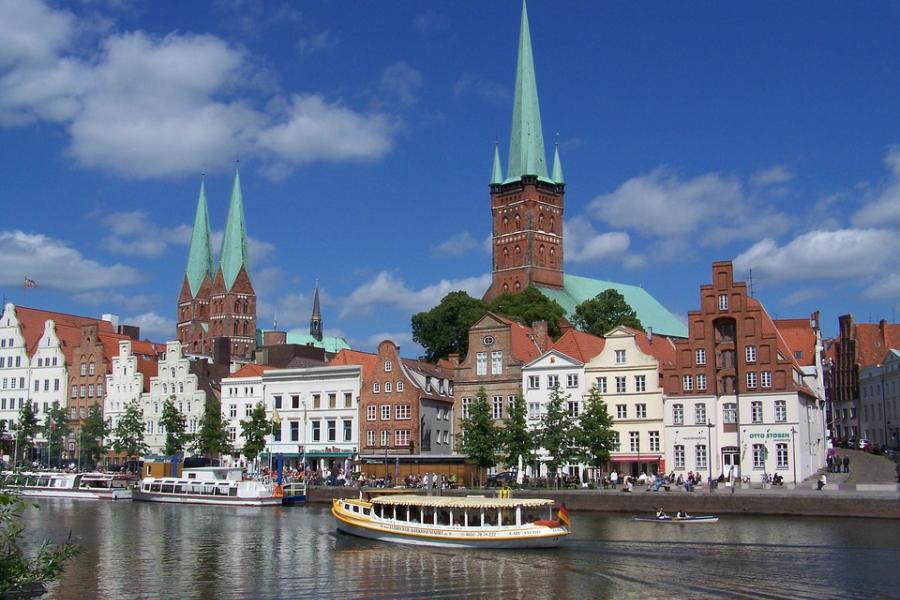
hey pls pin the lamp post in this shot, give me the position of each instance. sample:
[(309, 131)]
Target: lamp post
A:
[(794, 453), (709, 426)]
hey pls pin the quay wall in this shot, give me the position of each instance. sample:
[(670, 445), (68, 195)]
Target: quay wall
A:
[(759, 502)]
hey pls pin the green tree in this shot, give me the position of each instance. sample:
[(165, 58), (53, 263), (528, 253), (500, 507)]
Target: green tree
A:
[(212, 439), (606, 310), (254, 431), (596, 438), (55, 430), (176, 424), (528, 306), (28, 428), (557, 433), (20, 574), (445, 328), (481, 439), (517, 440), (93, 429), (129, 432)]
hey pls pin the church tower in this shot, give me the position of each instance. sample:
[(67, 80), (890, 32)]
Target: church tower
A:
[(232, 299), (527, 205), (193, 301), (315, 322)]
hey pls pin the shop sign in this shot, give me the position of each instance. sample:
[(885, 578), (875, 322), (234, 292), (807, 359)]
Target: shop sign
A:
[(770, 436)]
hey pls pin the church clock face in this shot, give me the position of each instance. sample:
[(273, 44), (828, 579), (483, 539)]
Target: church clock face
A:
[(488, 340)]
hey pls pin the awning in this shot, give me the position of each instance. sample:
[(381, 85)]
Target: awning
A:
[(635, 457)]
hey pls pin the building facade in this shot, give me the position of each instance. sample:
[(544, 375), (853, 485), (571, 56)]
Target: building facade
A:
[(175, 380), (880, 396), (128, 378), (241, 392)]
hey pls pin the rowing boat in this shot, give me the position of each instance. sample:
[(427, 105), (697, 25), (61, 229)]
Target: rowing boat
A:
[(683, 520)]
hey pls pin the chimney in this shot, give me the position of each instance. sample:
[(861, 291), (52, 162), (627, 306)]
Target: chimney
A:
[(540, 334), (114, 319), (882, 329), (650, 334), (132, 331), (274, 338), (453, 357), (222, 351)]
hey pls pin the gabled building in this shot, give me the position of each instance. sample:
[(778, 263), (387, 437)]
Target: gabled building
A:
[(879, 387), (241, 392), (128, 378)]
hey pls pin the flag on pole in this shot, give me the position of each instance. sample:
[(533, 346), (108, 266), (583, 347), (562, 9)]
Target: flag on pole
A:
[(563, 515), (30, 283), (276, 418)]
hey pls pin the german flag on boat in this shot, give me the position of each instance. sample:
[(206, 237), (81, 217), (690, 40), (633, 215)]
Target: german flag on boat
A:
[(563, 514)]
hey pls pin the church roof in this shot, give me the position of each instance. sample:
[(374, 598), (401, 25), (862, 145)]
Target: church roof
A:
[(577, 289), (234, 254), (200, 258)]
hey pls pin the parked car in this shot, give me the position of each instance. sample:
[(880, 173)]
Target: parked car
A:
[(865, 444), (501, 479)]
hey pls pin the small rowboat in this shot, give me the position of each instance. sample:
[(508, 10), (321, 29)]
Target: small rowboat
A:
[(674, 519)]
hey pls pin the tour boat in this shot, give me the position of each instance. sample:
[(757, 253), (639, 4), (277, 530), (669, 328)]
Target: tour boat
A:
[(89, 486), (294, 492), (208, 485), (676, 519), (469, 522)]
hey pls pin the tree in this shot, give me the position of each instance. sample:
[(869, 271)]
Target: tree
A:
[(129, 432), (55, 430), (93, 429), (596, 438), (603, 312), (481, 438), (516, 438), (557, 433), (28, 428), (175, 423), (445, 328), (254, 431), (528, 306), (212, 439)]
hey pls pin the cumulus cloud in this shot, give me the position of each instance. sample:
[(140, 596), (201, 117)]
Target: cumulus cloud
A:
[(584, 244), (111, 300), (132, 233), (885, 287), (403, 339), (884, 209), (153, 326), (55, 265), (455, 245), (775, 175), (388, 290), (144, 106)]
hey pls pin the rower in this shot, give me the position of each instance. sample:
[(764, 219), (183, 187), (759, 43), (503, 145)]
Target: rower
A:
[(661, 515), (682, 515)]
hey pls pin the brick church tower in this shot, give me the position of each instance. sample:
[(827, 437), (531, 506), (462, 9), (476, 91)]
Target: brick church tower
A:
[(220, 303), (527, 205)]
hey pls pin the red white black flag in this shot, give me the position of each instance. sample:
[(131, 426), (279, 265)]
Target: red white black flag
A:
[(30, 283)]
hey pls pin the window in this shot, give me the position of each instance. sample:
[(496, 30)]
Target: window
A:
[(654, 441), (700, 356), (700, 414), (481, 363), (465, 407), (317, 431), (634, 441), (766, 379), (402, 411), (348, 430), (385, 437), (277, 402), (640, 411), (348, 397), (620, 385), (620, 357), (759, 456), (552, 381), (317, 400), (496, 363), (679, 457), (83, 368), (497, 407), (370, 437), (687, 383), (376, 387), (399, 386), (81, 390), (574, 408), (781, 456), (621, 411), (385, 412), (248, 410), (99, 387), (572, 380), (232, 410), (332, 430), (601, 385), (700, 455), (751, 380), (780, 411), (678, 414), (388, 386), (640, 383), (729, 412), (388, 366), (295, 431), (723, 302), (756, 412), (37, 387), (370, 412), (295, 401), (74, 389), (750, 354), (91, 368), (701, 382), (534, 382), (401, 437)]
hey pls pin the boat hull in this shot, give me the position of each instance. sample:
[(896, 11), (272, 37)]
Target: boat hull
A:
[(687, 521), (79, 494), (142, 496)]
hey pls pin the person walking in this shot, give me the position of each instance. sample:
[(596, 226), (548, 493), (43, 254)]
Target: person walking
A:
[(846, 463), (614, 478)]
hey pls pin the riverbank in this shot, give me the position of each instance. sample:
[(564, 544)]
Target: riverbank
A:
[(796, 502)]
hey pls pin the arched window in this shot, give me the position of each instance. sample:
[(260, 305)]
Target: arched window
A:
[(505, 256), (505, 287), (552, 225), (505, 224), (245, 328), (541, 221), (235, 329), (518, 250), (518, 286), (541, 250)]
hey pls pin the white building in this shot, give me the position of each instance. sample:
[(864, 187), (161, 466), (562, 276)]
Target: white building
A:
[(15, 369), (241, 392), (128, 379), (176, 381)]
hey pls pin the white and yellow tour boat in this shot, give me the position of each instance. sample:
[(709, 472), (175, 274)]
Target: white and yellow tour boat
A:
[(469, 522)]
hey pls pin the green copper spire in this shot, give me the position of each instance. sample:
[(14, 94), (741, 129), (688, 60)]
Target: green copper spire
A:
[(557, 166), (200, 258), (526, 148), (234, 253), (497, 174)]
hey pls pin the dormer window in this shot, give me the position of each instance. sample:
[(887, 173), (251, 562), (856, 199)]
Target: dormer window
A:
[(388, 366)]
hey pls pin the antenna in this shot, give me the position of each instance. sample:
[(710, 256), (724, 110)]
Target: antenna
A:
[(750, 282)]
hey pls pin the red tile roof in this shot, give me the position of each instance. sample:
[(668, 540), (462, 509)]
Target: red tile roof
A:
[(579, 345), (250, 370), (660, 347), (768, 327), (524, 348), (873, 340), (68, 328), (366, 360), (800, 337), (149, 367)]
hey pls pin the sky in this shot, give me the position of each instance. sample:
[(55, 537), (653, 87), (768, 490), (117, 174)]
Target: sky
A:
[(767, 133)]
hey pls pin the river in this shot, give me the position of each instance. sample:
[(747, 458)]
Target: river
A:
[(141, 550)]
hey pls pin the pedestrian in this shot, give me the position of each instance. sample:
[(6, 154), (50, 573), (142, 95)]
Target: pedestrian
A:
[(829, 462), (822, 482), (614, 478), (846, 463)]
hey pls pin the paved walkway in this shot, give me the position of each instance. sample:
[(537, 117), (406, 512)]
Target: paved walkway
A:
[(864, 468)]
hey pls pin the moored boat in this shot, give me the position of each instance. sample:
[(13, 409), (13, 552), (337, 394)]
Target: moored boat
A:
[(676, 519), (208, 485), (470, 522), (294, 492), (86, 486)]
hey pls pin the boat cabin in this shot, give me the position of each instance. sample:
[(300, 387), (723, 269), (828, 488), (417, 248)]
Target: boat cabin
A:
[(456, 512)]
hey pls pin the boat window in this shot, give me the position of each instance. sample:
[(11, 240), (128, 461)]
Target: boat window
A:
[(365, 511), (146, 487), (192, 476), (179, 488), (232, 491), (155, 486), (167, 488), (355, 509)]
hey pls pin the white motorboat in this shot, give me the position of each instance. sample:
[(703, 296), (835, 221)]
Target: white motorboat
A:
[(208, 485), (88, 486), (471, 522)]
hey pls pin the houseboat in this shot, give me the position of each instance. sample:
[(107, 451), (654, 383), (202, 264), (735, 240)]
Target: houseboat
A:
[(88, 486), (469, 522), (208, 485)]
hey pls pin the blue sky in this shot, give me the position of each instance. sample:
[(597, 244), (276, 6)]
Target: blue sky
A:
[(761, 132)]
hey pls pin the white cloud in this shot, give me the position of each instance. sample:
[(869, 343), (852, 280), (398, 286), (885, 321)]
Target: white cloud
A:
[(402, 83), (802, 295), (820, 254), (32, 32), (109, 299), (886, 286), (55, 265), (133, 234), (259, 250), (314, 42), (584, 244), (774, 175), (403, 339), (455, 246), (484, 89), (884, 210), (153, 326), (387, 290)]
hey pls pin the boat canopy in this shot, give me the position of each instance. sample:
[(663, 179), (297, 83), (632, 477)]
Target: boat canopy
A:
[(452, 502)]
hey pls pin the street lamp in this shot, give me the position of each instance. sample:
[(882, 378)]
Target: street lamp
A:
[(709, 427), (794, 453)]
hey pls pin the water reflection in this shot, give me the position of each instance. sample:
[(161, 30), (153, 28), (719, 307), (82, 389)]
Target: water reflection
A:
[(141, 550)]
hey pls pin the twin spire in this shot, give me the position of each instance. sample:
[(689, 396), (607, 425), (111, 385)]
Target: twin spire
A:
[(527, 155), (233, 254)]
